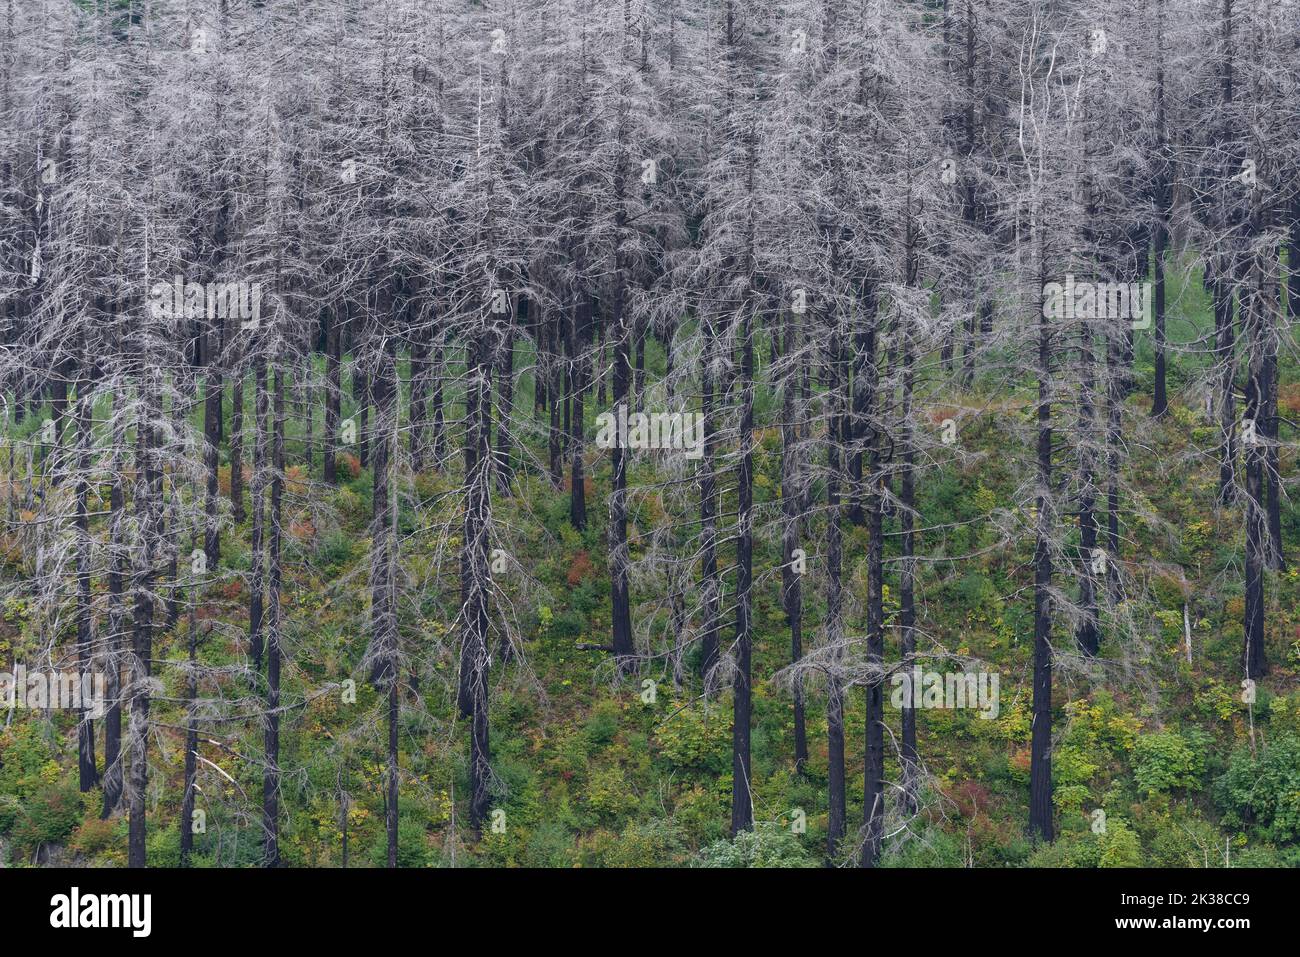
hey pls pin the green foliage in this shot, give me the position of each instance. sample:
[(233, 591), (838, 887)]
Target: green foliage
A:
[(654, 843), (47, 817), (604, 722), (608, 794), (697, 738), (767, 845), (1166, 760), (334, 549), (413, 848), (1262, 790), (1118, 847)]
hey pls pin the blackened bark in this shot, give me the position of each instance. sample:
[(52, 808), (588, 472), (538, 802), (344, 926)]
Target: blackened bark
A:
[(506, 386), (87, 773), (214, 388), (478, 522), (333, 391), (1226, 363), (383, 584), (742, 798), (237, 513), (907, 571), (419, 397), (1160, 402), (578, 372), (555, 393), (191, 740), (1040, 757), (257, 579), (361, 396), (148, 497), (836, 804), (712, 584), (1257, 331), (1092, 559), (791, 507), (873, 808), (271, 774), (113, 771), (439, 414)]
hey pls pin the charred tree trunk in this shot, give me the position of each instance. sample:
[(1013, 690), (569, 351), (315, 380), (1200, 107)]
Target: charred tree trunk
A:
[(87, 772), (191, 739), (712, 584), (835, 439), (383, 577), (478, 523), (1040, 758), (792, 506), (257, 579), (419, 397), (578, 366), (237, 514), (1092, 558), (1256, 313), (214, 389), (148, 496), (333, 392), (506, 379), (1160, 402), (271, 774), (1226, 363), (113, 771), (742, 798), (873, 808)]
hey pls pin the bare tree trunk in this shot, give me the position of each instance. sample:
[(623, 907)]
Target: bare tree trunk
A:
[(907, 571), (271, 774), (1256, 322), (835, 438), (333, 391), (742, 798), (1088, 632), (873, 808), (113, 771), (792, 506), (578, 365), (257, 579), (506, 378), (1226, 362), (383, 581), (1160, 402), (88, 774), (439, 414), (237, 513), (711, 592), (419, 397), (478, 522), (1040, 758), (214, 388), (148, 494), (191, 739)]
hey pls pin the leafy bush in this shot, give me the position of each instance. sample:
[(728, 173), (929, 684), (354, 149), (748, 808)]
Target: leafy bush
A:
[(48, 817), (412, 846), (698, 739), (645, 844), (1118, 847), (1263, 790), (603, 724), (1167, 760), (767, 845)]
